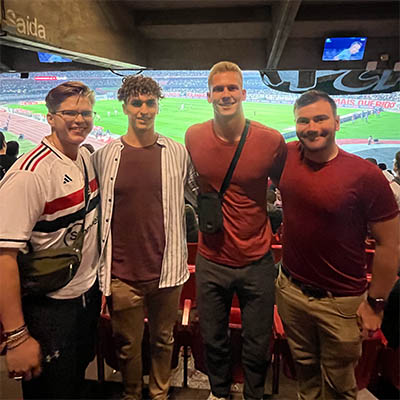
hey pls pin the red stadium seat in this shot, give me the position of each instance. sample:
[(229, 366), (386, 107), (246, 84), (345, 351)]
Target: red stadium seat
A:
[(192, 252), (367, 365)]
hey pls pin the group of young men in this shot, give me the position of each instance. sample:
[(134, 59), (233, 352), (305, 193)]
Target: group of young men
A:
[(134, 249)]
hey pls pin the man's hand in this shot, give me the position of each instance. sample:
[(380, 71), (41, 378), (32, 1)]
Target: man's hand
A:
[(370, 320), (24, 360)]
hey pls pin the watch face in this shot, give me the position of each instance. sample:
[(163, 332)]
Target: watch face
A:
[(378, 304)]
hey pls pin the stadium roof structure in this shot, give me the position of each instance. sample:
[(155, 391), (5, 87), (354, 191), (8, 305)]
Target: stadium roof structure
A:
[(270, 35)]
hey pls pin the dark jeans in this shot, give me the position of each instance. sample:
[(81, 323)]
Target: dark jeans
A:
[(66, 332), (254, 286)]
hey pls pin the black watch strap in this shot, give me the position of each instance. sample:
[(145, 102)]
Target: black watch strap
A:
[(377, 304)]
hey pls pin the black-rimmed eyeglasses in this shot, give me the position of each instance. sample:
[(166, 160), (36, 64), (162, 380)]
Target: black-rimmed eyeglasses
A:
[(73, 114)]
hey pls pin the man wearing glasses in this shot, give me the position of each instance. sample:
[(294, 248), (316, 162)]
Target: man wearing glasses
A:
[(50, 338), (143, 177)]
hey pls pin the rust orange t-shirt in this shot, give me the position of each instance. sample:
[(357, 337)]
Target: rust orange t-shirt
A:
[(246, 233)]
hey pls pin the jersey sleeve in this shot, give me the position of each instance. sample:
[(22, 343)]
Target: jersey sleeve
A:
[(22, 200)]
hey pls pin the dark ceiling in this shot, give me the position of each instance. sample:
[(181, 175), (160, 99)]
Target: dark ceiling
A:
[(125, 34)]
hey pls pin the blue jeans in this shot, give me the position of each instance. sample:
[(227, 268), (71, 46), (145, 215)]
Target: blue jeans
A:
[(254, 286), (65, 330)]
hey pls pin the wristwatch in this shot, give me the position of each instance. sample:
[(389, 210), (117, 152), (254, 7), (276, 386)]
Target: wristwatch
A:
[(377, 304)]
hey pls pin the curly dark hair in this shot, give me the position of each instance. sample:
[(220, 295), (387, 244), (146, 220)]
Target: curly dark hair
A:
[(135, 85)]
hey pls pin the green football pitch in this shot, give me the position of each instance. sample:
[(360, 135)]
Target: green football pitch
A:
[(176, 115)]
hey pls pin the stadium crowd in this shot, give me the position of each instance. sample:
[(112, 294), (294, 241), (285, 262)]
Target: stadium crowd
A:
[(34, 88)]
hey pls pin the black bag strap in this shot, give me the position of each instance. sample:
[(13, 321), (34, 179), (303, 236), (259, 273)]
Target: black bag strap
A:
[(87, 195), (235, 159)]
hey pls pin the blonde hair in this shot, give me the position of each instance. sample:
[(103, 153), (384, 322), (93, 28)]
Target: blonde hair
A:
[(224, 66)]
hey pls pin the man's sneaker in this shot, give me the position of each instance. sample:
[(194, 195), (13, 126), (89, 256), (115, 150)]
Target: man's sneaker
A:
[(212, 397)]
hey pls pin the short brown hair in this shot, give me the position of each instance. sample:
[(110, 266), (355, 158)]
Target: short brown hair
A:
[(224, 66), (311, 97), (135, 85), (67, 89)]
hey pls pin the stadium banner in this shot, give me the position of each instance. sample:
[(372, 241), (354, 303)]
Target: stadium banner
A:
[(367, 103), (333, 82), (96, 30), (31, 102)]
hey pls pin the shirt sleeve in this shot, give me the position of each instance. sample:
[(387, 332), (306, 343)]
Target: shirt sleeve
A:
[(279, 162), (380, 204), (191, 187), (396, 191), (22, 201)]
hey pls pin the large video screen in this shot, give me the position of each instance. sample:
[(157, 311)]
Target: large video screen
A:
[(51, 58)]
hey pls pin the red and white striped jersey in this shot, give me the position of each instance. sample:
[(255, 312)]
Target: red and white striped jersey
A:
[(42, 202)]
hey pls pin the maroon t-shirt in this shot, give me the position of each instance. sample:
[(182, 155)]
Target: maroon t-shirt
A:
[(326, 210), (246, 234), (138, 237)]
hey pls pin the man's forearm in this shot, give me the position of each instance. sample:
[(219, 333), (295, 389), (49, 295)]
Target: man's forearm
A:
[(384, 271), (10, 295)]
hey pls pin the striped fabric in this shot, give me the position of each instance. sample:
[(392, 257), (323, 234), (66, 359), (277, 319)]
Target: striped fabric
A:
[(38, 204), (178, 180)]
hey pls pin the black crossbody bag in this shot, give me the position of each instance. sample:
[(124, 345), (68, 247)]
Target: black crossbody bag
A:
[(210, 204), (46, 271)]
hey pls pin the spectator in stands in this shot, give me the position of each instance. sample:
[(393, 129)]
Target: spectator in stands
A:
[(395, 182), (382, 166), (3, 143), (372, 160), (3, 149), (12, 148), (143, 176), (388, 174), (274, 213), (236, 259), (321, 289), (43, 206), (8, 159)]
